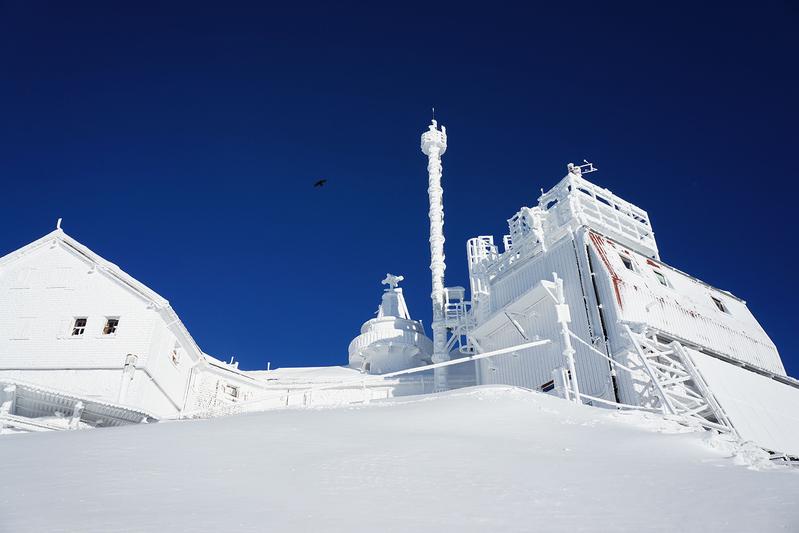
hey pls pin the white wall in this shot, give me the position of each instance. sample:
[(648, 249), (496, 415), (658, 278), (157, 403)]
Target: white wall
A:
[(534, 366), (43, 291), (684, 309)]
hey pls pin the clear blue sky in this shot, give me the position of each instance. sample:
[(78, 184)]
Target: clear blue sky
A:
[(181, 141)]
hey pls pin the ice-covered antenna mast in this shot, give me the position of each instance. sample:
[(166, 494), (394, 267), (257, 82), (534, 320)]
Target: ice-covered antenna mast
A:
[(434, 144)]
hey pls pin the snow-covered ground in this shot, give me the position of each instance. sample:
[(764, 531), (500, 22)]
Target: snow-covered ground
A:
[(485, 459)]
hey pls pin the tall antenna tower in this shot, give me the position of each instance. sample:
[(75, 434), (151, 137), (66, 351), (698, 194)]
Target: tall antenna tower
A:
[(434, 144)]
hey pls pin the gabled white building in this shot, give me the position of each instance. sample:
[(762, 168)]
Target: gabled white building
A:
[(74, 323)]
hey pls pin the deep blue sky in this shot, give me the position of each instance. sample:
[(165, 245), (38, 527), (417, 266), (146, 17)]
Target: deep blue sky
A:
[(181, 142)]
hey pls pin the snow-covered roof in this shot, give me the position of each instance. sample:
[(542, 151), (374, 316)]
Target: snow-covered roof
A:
[(761, 409), (90, 257), (316, 374)]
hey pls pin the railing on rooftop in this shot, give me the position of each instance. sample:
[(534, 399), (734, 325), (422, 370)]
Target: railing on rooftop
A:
[(576, 201)]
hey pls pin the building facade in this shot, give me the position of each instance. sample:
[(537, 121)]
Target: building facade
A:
[(575, 301), (642, 332), (74, 322), (83, 344)]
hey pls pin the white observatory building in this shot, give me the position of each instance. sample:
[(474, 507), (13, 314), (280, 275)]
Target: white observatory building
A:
[(392, 341), (641, 332)]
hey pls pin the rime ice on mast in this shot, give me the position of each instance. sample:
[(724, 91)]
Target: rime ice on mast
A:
[(434, 144)]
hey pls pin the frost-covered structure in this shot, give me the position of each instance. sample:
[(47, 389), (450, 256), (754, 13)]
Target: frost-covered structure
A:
[(83, 344), (643, 333), (391, 341), (75, 324), (604, 248), (575, 301)]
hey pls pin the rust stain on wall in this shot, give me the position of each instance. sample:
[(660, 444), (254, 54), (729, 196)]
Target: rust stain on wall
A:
[(599, 244)]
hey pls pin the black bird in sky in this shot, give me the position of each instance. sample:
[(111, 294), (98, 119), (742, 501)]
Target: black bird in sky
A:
[(320, 183)]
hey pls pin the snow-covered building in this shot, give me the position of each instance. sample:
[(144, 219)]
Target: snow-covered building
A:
[(75, 325), (642, 333), (578, 303), (83, 344), (604, 249), (575, 301)]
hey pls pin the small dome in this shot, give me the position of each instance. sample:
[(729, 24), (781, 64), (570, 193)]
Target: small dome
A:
[(392, 341)]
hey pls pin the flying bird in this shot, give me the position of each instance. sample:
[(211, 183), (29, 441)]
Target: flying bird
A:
[(319, 183)]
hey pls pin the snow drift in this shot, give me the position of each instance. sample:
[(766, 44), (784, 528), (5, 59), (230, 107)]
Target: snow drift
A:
[(481, 459)]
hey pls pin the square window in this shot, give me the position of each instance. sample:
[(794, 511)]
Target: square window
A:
[(720, 305), (628, 263), (79, 327), (111, 325), (661, 278), (232, 391)]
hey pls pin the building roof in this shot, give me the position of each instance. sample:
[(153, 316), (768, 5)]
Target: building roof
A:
[(316, 374), (33, 401)]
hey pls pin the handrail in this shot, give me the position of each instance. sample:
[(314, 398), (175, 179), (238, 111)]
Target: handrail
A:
[(375, 378)]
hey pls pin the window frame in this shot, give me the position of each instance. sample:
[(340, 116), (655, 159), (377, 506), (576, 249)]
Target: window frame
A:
[(76, 331), (627, 262), (661, 278), (115, 327), (231, 391), (720, 305)]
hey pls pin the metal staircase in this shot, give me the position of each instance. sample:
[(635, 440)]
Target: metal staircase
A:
[(458, 320), (676, 383)]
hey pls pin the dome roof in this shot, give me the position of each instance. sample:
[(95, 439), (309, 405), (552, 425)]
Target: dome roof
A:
[(391, 341)]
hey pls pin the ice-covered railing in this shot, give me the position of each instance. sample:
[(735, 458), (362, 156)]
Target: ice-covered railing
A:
[(576, 202), (366, 384), (572, 203), (480, 251)]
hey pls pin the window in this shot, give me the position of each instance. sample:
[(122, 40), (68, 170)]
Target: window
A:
[(232, 391), (111, 325), (661, 278), (79, 327), (719, 304), (176, 354), (628, 263)]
